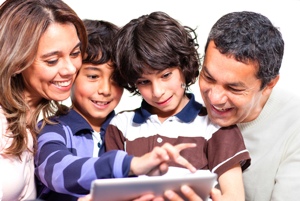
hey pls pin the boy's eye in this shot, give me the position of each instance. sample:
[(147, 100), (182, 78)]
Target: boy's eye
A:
[(166, 75), (142, 82), (92, 76)]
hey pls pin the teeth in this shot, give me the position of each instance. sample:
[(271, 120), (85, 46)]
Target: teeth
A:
[(100, 103), (62, 84), (220, 109)]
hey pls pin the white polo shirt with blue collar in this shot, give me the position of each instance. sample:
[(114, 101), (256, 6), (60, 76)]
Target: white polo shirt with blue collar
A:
[(218, 148)]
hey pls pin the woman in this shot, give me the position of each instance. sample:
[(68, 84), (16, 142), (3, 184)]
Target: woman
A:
[(41, 43)]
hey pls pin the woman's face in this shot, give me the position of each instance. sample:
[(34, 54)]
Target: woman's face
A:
[(57, 61)]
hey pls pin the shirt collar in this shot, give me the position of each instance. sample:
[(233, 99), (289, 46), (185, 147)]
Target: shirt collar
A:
[(106, 122), (77, 123), (187, 114)]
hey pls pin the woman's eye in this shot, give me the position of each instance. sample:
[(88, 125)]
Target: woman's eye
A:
[(52, 62), (76, 54)]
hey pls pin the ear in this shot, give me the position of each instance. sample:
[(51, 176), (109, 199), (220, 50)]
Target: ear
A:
[(268, 88)]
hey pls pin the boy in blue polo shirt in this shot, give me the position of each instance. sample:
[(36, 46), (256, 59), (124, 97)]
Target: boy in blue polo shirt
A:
[(68, 156)]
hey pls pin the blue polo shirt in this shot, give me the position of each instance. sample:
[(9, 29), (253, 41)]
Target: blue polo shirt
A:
[(65, 166)]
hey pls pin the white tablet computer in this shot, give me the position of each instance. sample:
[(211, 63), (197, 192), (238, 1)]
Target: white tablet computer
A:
[(122, 189)]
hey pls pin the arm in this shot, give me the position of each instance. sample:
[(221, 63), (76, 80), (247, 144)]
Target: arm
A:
[(61, 167), (231, 184), (228, 156), (287, 178)]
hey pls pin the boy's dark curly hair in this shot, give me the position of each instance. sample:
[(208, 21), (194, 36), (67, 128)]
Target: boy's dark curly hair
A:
[(101, 35), (154, 42)]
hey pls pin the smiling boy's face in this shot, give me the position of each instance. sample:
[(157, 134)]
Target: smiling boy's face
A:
[(94, 93)]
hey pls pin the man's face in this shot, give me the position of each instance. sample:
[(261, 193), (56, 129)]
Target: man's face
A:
[(229, 88)]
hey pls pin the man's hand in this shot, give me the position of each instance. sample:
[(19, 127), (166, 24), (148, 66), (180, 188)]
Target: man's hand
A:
[(191, 195)]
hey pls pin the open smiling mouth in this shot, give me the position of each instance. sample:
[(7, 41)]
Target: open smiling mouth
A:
[(62, 84), (221, 109), (101, 102)]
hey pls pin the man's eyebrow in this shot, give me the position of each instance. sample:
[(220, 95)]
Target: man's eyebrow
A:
[(233, 84), (237, 84), (204, 69)]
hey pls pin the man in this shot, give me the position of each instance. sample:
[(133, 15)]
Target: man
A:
[(243, 55)]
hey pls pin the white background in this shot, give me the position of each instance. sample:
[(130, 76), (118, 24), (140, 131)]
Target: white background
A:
[(285, 14)]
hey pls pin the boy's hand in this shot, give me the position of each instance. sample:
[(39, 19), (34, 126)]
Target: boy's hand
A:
[(155, 162), (85, 198)]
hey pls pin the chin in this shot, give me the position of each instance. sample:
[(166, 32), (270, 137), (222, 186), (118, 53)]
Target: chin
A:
[(222, 123), (59, 97)]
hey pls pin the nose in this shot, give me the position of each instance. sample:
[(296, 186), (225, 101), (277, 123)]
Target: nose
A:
[(68, 68), (157, 89), (217, 95), (104, 87)]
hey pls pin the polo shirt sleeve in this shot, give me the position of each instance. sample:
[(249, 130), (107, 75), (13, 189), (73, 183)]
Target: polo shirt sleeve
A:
[(226, 148), (114, 138)]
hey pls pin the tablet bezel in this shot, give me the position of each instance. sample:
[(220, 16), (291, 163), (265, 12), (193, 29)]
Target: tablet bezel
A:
[(119, 189)]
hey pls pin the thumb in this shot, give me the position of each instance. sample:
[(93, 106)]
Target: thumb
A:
[(215, 194)]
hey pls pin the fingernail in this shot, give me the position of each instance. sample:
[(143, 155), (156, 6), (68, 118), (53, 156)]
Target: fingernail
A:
[(169, 194), (193, 169), (185, 189)]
